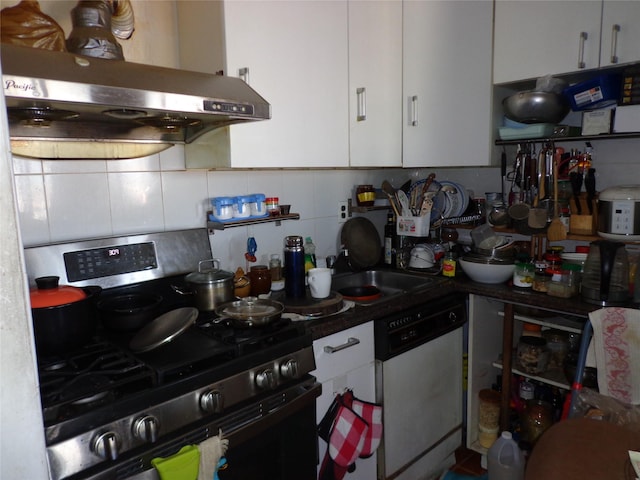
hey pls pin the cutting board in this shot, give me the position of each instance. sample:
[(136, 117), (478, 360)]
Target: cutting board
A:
[(313, 306)]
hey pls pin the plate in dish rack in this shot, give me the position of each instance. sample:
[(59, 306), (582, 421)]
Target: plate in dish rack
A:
[(457, 199)]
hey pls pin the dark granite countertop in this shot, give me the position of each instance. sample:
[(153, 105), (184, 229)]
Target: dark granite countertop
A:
[(461, 283)]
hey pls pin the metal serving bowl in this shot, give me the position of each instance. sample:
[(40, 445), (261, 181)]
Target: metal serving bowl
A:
[(536, 107)]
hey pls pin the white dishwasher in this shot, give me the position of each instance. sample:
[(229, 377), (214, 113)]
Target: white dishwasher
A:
[(419, 383)]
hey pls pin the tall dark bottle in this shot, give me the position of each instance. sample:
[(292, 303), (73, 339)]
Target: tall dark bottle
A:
[(294, 267), (390, 241)]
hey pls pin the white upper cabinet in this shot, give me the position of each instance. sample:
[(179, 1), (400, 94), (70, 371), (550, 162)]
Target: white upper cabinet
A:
[(620, 32), (296, 56), (536, 38), (447, 48), (375, 83)]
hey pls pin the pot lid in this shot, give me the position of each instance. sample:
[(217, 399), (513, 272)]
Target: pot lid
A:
[(360, 237), (163, 329), (209, 275), (250, 309), (50, 294)]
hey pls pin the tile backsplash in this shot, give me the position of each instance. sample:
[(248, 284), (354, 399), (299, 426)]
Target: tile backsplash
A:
[(62, 200)]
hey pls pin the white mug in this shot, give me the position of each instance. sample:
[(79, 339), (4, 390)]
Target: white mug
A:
[(319, 280)]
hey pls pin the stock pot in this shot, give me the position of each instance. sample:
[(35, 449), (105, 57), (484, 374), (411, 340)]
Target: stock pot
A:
[(64, 317), (210, 285)]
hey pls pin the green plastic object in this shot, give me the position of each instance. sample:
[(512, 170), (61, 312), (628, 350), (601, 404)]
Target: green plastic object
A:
[(180, 466)]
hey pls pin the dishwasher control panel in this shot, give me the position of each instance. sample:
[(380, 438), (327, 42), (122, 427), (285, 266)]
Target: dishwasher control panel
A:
[(413, 327)]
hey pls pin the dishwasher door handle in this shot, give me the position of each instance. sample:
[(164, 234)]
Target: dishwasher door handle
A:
[(351, 341)]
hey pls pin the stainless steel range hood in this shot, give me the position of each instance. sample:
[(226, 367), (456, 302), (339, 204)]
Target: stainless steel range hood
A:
[(62, 105)]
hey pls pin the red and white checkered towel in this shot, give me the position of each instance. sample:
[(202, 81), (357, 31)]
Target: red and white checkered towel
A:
[(372, 414), (347, 437)]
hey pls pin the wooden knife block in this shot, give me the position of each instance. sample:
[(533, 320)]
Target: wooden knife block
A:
[(584, 224)]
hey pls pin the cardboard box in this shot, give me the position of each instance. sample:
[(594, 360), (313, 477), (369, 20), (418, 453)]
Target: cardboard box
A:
[(627, 119), (596, 122)]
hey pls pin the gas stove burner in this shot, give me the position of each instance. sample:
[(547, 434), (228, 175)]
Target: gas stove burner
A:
[(54, 365), (87, 388)]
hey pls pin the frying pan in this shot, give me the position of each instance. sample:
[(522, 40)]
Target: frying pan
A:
[(128, 312), (364, 293), (360, 237)]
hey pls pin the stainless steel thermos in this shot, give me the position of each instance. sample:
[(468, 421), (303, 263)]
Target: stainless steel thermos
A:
[(294, 267)]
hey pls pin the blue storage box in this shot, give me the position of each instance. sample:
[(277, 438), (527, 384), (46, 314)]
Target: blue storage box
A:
[(601, 91)]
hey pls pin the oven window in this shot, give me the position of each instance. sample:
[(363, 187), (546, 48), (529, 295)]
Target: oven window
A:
[(287, 451)]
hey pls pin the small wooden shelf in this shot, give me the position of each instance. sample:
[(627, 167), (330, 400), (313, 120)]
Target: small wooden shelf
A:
[(213, 226)]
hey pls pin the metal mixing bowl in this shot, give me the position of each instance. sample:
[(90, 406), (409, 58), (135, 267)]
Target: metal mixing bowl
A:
[(536, 107)]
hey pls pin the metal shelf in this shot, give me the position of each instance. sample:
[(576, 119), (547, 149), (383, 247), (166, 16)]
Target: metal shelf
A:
[(213, 226), (582, 138)]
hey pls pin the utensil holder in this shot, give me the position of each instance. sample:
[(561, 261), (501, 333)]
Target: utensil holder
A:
[(585, 223), (413, 226)]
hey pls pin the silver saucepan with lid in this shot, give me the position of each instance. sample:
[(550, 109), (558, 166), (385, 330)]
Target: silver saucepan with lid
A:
[(210, 286)]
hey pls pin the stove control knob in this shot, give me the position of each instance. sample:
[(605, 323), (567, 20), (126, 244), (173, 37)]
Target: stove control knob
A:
[(212, 401), (266, 379), (145, 428), (289, 369), (106, 445)]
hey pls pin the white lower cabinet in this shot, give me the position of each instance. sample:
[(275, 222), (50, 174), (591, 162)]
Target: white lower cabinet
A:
[(351, 367)]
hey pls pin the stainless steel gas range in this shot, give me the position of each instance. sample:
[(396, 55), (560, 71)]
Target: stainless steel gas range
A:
[(109, 411)]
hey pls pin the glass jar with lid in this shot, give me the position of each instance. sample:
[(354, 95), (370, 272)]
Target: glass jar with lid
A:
[(532, 355)]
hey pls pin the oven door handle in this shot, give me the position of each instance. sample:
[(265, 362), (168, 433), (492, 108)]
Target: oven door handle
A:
[(351, 341)]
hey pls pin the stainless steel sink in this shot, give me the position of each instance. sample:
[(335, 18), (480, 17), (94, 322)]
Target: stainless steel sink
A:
[(390, 283)]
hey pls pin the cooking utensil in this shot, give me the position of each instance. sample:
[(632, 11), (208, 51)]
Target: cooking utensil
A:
[(403, 200), (63, 316), (360, 237), (576, 185), (503, 171), (590, 186), (425, 189), (390, 192), (556, 231), (536, 107), (251, 312), (210, 287), (163, 329), (128, 312)]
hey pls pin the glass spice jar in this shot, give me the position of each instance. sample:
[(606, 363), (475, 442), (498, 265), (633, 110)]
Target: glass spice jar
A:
[(489, 408), (532, 355), (260, 280), (273, 206), (537, 417), (558, 345), (365, 195)]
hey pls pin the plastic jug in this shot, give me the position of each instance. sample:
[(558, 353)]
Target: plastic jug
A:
[(505, 460)]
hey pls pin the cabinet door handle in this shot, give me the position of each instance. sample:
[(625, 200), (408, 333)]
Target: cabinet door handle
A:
[(361, 94), (583, 39), (351, 341), (413, 109), (243, 73), (614, 42)]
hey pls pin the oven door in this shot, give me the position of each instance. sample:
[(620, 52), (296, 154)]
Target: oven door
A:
[(268, 440)]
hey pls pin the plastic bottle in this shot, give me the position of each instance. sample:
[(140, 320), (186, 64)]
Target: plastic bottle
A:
[(449, 264), (505, 460), (309, 255)]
